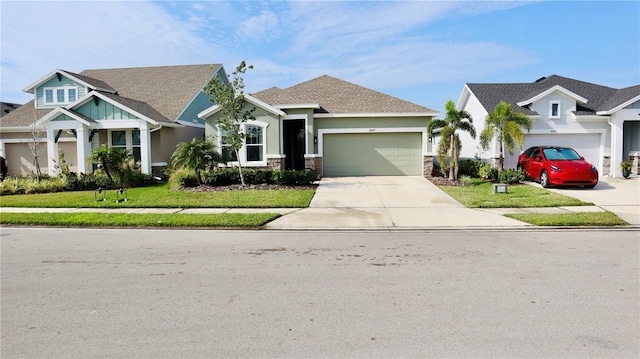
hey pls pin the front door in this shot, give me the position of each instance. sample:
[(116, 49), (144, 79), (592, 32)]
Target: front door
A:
[(294, 144)]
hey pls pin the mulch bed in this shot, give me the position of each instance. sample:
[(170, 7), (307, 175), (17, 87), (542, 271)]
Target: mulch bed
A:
[(249, 187), (441, 181)]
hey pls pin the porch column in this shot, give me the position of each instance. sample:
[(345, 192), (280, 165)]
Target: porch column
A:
[(82, 148), (52, 151), (616, 147), (145, 149)]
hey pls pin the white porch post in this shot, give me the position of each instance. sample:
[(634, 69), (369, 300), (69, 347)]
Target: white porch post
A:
[(82, 147), (52, 151), (616, 146), (145, 149)]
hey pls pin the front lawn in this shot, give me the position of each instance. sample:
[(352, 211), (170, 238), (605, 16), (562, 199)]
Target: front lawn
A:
[(139, 220), (570, 219), (161, 196), (480, 195)]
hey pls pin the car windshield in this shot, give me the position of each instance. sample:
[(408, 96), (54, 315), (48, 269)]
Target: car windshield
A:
[(557, 153)]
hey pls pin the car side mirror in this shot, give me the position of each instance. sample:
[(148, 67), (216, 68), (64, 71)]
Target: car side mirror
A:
[(581, 158)]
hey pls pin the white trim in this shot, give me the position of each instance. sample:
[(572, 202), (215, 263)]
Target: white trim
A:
[(243, 150), (551, 90), (298, 106), (54, 95), (278, 156), (190, 124), (90, 95), (49, 76), (306, 130), (248, 98), (328, 131), (376, 114)]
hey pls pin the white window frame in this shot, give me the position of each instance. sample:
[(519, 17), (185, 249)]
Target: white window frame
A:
[(243, 149), (128, 133), (54, 90), (558, 115)]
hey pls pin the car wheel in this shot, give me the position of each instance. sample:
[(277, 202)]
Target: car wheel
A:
[(544, 179)]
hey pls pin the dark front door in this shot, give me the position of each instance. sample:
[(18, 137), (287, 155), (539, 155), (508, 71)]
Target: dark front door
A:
[(294, 140)]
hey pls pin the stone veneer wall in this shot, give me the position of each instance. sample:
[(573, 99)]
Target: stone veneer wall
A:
[(314, 164), (635, 164), (606, 166), (275, 163), (427, 165)]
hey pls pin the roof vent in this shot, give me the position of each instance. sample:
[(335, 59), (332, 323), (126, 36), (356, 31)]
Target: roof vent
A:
[(540, 79)]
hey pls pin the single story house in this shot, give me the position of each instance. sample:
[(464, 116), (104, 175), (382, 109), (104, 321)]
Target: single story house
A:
[(148, 110), (334, 127), (601, 123)]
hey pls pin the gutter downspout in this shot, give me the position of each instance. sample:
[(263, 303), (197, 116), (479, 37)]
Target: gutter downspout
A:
[(612, 160)]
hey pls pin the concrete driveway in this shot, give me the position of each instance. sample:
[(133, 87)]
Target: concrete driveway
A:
[(618, 195), (383, 202)]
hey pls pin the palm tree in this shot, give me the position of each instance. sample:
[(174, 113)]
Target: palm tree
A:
[(112, 160), (455, 120), (506, 125), (195, 155)]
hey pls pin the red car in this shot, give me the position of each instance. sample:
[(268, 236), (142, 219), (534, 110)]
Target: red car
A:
[(557, 166)]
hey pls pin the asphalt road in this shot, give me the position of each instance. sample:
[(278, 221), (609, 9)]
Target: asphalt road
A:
[(169, 293)]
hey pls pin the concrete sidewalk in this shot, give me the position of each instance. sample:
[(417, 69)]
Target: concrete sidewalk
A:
[(401, 202)]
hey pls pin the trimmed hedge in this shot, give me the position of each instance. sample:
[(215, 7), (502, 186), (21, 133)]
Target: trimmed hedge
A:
[(226, 176)]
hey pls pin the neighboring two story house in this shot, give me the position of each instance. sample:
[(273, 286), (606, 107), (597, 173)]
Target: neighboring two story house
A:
[(334, 127), (148, 110), (601, 123)]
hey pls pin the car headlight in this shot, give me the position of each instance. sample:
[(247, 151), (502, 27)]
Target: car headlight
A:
[(593, 168), (555, 168)]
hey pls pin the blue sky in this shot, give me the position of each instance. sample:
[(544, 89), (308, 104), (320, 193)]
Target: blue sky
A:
[(420, 51)]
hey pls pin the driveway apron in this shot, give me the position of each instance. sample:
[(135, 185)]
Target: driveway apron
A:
[(384, 202)]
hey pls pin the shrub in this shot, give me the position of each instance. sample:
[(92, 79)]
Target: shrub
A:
[(511, 176), (488, 172), (468, 167), (295, 178), (183, 177)]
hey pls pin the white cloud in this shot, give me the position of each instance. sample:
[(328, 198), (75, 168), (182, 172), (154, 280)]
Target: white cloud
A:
[(263, 26), (38, 37)]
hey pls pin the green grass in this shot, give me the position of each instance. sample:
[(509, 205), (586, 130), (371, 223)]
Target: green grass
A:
[(570, 219), (480, 195), (139, 220), (162, 197)]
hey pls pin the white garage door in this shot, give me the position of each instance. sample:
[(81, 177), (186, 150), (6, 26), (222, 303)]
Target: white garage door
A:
[(587, 145), (372, 154)]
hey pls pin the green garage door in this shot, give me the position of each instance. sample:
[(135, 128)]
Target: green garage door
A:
[(372, 154)]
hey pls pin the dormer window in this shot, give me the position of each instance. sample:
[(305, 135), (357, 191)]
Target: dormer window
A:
[(60, 95), (554, 109)]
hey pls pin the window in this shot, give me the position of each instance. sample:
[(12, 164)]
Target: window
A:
[(60, 95), (254, 143), (129, 139), (254, 150), (554, 110)]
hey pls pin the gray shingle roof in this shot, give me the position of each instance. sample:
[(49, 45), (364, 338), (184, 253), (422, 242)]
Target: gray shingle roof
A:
[(599, 98), (338, 96)]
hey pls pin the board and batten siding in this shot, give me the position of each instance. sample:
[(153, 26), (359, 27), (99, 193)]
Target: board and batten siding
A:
[(104, 111), (53, 82)]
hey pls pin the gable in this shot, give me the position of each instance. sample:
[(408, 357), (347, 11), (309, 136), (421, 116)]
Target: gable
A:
[(47, 93)]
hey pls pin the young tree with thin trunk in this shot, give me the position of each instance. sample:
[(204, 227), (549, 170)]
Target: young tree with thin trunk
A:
[(37, 146), (507, 126), (455, 120), (233, 114)]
